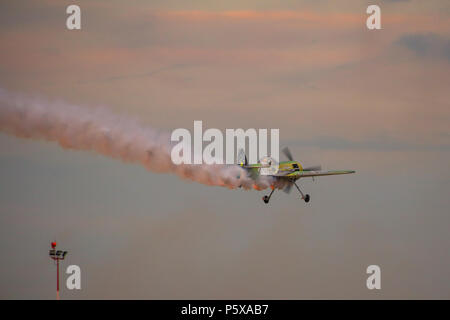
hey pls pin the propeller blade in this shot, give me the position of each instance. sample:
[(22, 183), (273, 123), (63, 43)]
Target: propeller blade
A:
[(288, 153), (313, 168), (288, 188)]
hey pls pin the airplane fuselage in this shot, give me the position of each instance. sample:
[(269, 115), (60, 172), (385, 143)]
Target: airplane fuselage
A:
[(283, 167)]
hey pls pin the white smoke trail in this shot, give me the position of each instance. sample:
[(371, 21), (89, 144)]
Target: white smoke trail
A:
[(98, 130)]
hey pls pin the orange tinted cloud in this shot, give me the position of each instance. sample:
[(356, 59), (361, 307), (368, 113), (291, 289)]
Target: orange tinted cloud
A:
[(340, 19)]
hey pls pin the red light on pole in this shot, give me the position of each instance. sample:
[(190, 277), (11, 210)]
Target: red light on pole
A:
[(57, 255)]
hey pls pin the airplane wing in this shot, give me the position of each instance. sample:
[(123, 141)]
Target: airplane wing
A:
[(304, 174), (252, 166)]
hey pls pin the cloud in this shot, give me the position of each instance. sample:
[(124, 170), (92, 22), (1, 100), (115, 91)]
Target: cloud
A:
[(430, 45), (137, 75)]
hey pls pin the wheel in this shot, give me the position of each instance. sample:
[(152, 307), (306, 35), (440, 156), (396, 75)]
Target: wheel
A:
[(266, 199), (307, 197)]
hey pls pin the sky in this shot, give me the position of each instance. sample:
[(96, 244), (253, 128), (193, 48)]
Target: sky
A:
[(374, 101)]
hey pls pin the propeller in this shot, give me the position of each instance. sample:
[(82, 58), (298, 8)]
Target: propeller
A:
[(313, 168), (288, 153), (288, 188)]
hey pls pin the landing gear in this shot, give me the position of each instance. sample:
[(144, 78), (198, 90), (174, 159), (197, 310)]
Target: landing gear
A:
[(267, 198), (305, 197)]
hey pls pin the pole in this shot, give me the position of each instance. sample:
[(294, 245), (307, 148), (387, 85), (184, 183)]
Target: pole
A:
[(57, 279), (57, 255)]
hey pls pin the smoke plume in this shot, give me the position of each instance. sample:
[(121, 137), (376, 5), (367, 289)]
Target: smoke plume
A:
[(118, 137)]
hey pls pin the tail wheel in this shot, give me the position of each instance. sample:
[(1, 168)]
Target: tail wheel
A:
[(265, 199), (307, 198)]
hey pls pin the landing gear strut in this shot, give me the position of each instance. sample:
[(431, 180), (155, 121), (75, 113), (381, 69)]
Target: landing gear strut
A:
[(267, 198), (305, 197)]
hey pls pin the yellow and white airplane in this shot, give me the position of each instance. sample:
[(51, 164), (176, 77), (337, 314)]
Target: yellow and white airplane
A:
[(285, 172)]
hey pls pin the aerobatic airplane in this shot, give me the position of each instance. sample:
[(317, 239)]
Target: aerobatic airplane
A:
[(287, 171)]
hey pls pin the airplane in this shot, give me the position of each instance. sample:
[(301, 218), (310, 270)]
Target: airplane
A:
[(286, 171)]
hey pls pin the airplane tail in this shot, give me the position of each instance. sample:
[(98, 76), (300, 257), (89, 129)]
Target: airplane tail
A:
[(242, 158)]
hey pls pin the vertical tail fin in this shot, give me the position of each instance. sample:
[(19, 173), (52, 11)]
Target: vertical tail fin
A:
[(242, 158)]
